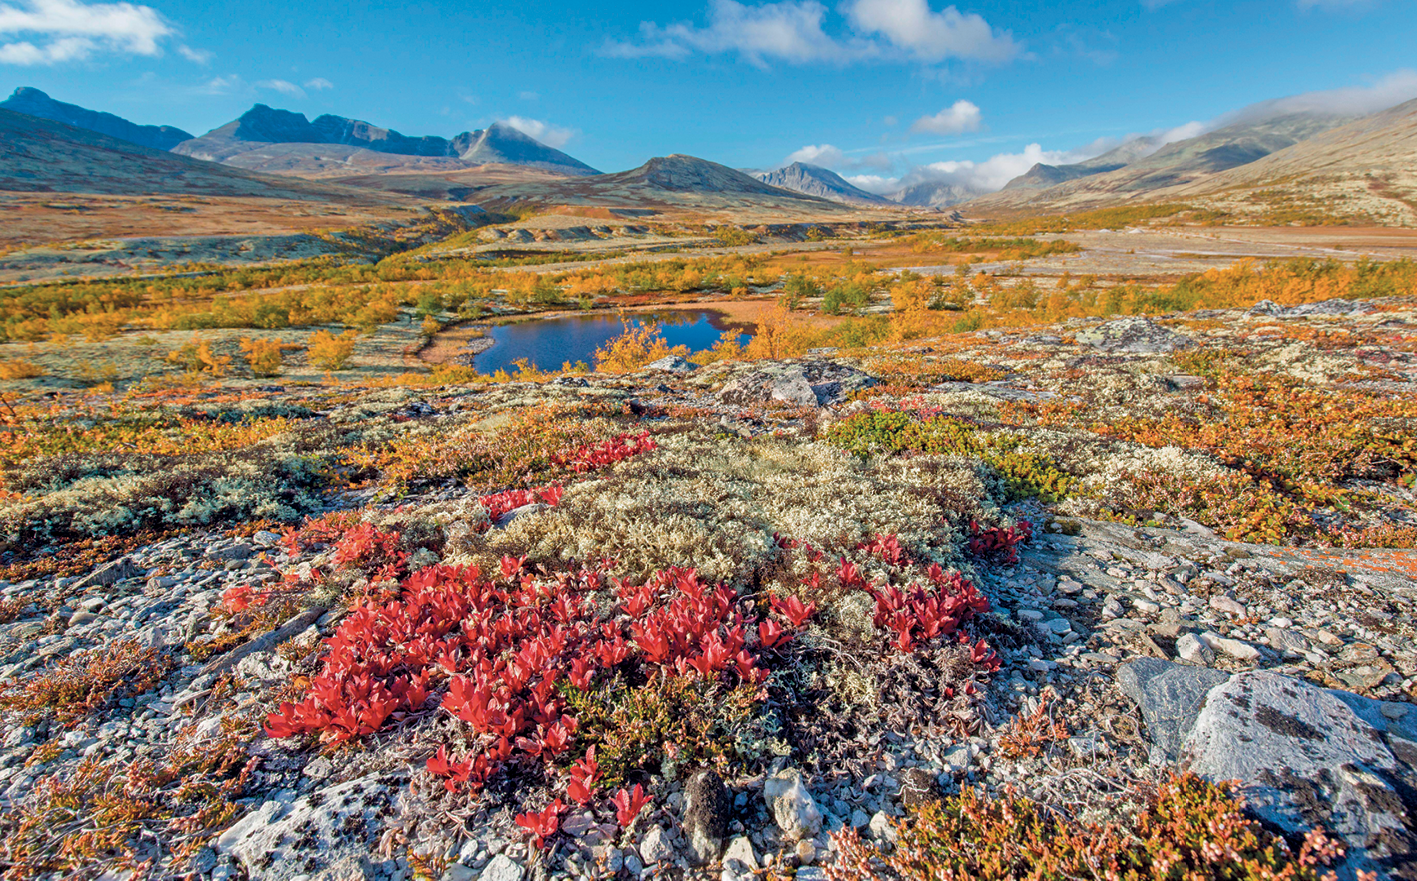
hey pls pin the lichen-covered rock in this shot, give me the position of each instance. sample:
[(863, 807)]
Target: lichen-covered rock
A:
[(812, 383), (707, 808), (333, 828), (1304, 758), (1138, 336), (671, 364)]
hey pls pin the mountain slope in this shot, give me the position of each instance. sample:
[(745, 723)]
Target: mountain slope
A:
[(1177, 164), (40, 155), (814, 180), (33, 102), (279, 141), (1368, 166)]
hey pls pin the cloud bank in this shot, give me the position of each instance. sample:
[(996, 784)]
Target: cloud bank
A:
[(794, 31), (35, 32)]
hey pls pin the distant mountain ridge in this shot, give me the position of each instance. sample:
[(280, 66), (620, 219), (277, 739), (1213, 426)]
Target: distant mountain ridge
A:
[(266, 138), (1141, 168), (33, 102), (821, 182), (41, 155)]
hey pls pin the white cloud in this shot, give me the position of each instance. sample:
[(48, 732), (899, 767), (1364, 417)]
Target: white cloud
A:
[(817, 154), (911, 25), (790, 30), (529, 96), (56, 31), (196, 56), (551, 135), (794, 31), (974, 178), (961, 116), (285, 88), (319, 84), (222, 85), (1387, 91)]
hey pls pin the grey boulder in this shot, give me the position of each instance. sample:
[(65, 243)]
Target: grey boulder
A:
[(1305, 758), (811, 383)]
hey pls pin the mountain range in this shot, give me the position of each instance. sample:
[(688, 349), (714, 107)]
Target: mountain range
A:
[(266, 139), (1260, 157), (41, 155), (33, 102)]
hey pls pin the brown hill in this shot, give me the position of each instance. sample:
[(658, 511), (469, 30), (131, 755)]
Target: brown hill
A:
[(677, 184)]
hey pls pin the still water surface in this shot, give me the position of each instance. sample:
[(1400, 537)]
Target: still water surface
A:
[(550, 342)]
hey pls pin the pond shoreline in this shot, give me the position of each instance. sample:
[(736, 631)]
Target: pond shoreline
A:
[(460, 343)]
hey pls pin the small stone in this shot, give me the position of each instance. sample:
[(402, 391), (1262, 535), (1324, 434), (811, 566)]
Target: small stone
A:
[(882, 829), (633, 865), (739, 861), (1029, 615), (1191, 650), (502, 868), (860, 819), (655, 847), (1235, 648), (792, 806), (806, 852), (1228, 604)]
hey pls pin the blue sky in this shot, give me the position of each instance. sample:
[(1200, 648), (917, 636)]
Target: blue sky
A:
[(873, 88)]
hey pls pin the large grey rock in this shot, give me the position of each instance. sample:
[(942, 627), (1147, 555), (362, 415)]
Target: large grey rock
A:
[(1140, 336), (792, 806), (671, 364), (1170, 697), (1304, 758), (707, 809), (332, 831), (800, 384)]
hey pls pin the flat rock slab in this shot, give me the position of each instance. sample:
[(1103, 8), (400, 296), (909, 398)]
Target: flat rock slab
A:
[(1304, 758), (1170, 697), (333, 832)]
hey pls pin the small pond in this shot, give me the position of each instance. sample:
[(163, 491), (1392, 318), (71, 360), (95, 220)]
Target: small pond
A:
[(550, 342)]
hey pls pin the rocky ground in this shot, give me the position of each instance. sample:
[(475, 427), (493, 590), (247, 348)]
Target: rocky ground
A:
[(1081, 482)]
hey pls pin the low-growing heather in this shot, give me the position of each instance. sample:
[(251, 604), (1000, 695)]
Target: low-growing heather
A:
[(1189, 829)]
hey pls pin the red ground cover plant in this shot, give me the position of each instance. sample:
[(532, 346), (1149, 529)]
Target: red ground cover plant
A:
[(500, 503), (998, 544), (497, 652), (592, 457)]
